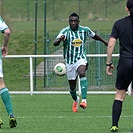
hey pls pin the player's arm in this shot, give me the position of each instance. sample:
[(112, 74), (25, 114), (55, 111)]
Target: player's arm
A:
[(4, 48), (58, 40), (110, 50), (96, 37)]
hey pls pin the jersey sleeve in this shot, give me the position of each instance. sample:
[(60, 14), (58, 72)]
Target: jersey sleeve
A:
[(90, 32), (3, 25), (114, 32), (62, 32)]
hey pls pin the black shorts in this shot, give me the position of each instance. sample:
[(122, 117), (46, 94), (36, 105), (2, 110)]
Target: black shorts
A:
[(124, 73)]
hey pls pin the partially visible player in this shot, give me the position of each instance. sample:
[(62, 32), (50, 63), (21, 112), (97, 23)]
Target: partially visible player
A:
[(74, 39), (132, 103), (122, 30), (5, 96)]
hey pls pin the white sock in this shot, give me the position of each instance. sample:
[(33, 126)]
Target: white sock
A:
[(77, 99), (84, 100)]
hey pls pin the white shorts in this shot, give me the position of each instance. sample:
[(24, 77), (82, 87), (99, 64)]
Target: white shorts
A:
[(72, 69), (1, 71)]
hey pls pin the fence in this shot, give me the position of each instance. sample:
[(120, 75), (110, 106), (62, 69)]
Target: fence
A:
[(87, 9), (30, 81), (18, 80)]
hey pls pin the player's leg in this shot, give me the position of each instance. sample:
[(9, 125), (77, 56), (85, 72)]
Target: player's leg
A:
[(132, 104), (122, 82), (71, 75), (84, 85), (72, 84), (117, 108), (5, 96)]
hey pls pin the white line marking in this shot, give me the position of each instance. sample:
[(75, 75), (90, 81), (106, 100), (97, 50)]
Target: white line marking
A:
[(62, 117)]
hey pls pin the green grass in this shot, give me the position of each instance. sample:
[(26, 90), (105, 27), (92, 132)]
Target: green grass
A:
[(52, 114)]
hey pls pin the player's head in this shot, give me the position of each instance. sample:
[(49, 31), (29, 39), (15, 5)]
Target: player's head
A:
[(130, 6), (74, 21)]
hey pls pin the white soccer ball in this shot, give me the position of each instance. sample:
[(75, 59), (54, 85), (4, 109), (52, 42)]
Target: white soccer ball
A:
[(60, 69)]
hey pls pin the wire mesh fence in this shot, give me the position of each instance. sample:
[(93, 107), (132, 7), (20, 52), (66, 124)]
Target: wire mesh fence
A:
[(87, 9)]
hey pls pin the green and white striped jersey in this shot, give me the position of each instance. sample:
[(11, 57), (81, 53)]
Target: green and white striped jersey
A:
[(74, 43), (3, 25)]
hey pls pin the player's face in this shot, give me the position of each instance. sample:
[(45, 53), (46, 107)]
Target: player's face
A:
[(74, 22)]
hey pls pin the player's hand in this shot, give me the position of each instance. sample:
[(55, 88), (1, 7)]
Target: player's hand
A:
[(109, 69), (4, 51), (62, 38), (59, 40)]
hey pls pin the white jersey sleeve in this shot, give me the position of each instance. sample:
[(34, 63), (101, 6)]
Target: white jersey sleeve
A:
[(91, 33), (3, 25), (63, 32)]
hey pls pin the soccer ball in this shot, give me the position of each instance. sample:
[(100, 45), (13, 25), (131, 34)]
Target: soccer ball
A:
[(60, 69)]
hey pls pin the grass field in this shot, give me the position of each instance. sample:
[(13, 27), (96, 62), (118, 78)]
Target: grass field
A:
[(52, 114)]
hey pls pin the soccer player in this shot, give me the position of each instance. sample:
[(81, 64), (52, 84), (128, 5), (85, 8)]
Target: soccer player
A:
[(122, 30), (74, 39), (5, 96)]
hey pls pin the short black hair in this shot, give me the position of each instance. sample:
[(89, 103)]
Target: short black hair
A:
[(130, 6), (74, 15)]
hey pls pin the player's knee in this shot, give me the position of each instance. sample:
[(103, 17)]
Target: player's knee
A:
[(72, 89), (120, 95), (81, 74)]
